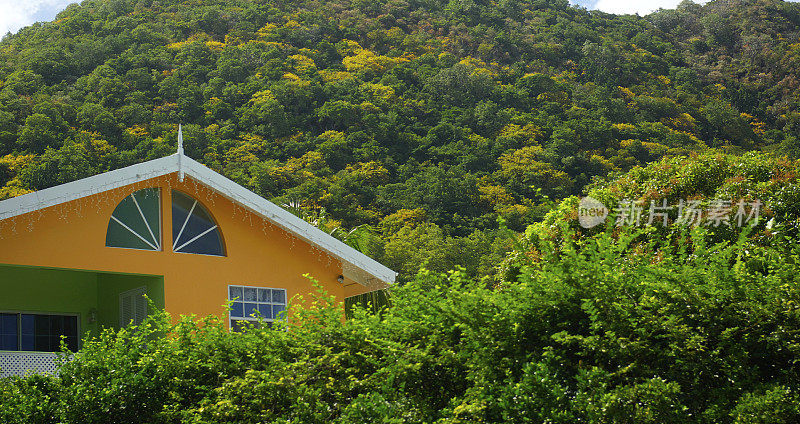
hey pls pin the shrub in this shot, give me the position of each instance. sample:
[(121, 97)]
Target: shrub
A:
[(616, 327), (30, 400)]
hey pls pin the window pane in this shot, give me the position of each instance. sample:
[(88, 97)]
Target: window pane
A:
[(43, 332), (235, 292), (242, 325), (278, 296), (258, 302), (41, 343), (71, 326), (9, 332), (237, 309), (181, 205), (149, 202), (236, 325), (209, 244), (72, 343), (128, 213), (27, 342), (266, 311), (195, 224), (194, 227), (198, 222), (8, 324), (9, 342), (55, 343), (264, 295), (56, 325), (28, 324), (41, 325), (117, 236)]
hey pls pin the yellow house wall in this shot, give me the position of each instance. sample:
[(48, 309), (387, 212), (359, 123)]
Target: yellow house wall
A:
[(72, 236)]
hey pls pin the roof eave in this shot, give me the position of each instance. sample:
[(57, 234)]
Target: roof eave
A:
[(88, 186)]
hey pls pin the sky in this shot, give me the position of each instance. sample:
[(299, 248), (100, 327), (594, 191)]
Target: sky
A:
[(642, 7), (15, 14)]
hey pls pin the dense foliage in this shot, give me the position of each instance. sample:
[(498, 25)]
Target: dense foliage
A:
[(704, 178), (396, 113), (599, 329), (410, 129)]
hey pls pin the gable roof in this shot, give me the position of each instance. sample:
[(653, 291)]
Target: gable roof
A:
[(355, 265)]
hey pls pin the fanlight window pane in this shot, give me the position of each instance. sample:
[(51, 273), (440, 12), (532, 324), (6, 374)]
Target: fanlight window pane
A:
[(193, 228), (136, 222)]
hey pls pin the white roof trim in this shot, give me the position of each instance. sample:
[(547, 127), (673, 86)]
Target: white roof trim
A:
[(180, 163), (68, 192)]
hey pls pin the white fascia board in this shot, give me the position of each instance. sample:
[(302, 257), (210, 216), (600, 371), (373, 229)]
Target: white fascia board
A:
[(68, 192), (285, 219)]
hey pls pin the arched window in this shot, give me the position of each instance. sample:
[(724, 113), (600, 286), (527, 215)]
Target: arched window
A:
[(136, 222), (193, 228)]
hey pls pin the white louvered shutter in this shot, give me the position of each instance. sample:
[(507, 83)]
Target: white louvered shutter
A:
[(132, 306), (140, 308)]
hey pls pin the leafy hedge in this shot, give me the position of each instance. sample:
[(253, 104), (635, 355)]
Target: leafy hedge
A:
[(611, 328)]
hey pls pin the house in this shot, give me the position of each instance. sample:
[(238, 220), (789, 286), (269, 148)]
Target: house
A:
[(80, 256)]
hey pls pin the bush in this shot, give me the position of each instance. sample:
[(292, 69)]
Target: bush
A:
[(615, 328), (30, 400)]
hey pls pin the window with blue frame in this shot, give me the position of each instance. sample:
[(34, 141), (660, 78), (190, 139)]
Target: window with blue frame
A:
[(258, 305), (37, 332)]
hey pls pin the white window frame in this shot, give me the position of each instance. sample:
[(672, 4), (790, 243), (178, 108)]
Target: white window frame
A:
[(251, 318)]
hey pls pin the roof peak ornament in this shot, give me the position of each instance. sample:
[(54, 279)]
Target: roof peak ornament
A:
[(180, 152), (180, 139)]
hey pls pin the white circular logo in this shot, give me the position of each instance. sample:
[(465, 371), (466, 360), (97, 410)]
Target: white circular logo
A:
[(591, 212)]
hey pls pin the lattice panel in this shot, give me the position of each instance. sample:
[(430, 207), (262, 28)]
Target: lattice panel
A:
[(21, 363)]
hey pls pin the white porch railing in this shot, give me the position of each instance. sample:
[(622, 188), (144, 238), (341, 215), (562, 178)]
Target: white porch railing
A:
[(22, 363)]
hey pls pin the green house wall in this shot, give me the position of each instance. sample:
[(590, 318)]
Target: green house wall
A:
[(49, 291), (109, 286), (83, 293)]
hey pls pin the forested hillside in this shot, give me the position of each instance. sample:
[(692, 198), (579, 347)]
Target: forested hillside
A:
[(427, 120), (433, 133)]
